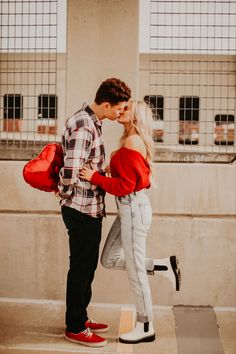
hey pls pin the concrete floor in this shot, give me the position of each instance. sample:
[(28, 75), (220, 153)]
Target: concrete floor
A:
[(38, 328)]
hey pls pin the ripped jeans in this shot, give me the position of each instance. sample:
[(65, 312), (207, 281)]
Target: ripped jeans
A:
[(125, 248)]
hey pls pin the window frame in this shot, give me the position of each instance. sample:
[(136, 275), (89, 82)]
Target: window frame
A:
[(12, 107), (189, 109), (156, 103), (45, 112), (220, 120)]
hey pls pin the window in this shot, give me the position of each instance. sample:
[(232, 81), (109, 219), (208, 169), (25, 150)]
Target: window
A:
[(224, 129), (188, 120), (47, 106), (13, 106), (13, 112), (47, 114), (156, 103)]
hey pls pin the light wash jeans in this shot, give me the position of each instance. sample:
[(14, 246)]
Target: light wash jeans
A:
[(125, 248)]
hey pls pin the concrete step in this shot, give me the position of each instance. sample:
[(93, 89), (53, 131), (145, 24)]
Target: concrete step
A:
[(37, 327)]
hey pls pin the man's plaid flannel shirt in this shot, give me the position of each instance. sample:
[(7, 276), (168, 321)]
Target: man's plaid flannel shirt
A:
[(82, 145)]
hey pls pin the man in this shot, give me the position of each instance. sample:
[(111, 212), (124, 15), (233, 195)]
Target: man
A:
[(82, 205)]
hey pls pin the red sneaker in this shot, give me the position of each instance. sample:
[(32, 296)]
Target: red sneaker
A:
[(86, 337), (96, 327)]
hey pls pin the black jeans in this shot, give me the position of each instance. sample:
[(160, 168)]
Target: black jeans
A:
[(84, 238)]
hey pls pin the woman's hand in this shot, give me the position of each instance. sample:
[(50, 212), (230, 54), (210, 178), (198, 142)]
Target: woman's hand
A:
[(86, 173), (108, 170)]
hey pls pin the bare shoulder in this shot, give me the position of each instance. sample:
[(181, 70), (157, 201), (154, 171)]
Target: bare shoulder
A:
[(134, 142)]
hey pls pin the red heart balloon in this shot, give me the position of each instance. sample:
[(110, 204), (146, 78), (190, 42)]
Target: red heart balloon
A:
[(43, 171)]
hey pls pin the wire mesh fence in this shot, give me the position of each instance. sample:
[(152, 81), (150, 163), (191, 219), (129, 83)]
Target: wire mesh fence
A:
[(28, 75), (187, 75), (190, 68)]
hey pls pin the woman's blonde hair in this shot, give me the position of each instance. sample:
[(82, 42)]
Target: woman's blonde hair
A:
[(142, 120)]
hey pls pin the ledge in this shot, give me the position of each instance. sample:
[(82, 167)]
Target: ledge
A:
[(25, 150)]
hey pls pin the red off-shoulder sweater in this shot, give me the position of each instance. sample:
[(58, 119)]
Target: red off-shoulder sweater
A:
[(129, 170)]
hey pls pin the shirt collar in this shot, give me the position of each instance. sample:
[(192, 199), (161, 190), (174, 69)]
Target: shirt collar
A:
[(91, 113)]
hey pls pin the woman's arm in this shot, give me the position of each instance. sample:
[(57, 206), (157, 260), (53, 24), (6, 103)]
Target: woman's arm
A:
[(118, 186)]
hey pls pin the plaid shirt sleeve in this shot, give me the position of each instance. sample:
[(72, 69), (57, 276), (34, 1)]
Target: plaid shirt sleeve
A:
[(78, 146)]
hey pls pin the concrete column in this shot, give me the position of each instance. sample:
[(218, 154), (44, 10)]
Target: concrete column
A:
[(102, 43)]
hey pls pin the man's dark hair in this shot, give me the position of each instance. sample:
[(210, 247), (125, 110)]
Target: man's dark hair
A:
[(113, 91)]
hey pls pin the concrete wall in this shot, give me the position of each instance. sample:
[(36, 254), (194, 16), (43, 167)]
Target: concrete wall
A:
[(194, 217)]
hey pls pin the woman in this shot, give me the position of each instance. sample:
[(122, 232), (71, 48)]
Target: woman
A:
[(125, 247)]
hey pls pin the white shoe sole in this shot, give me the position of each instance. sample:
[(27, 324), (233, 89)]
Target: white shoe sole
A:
[(87, 344)]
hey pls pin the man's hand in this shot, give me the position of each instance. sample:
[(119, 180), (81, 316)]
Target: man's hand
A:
[(86, 173)]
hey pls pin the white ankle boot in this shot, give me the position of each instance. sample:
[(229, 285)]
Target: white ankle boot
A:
[(168, 267), (142, 332)]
